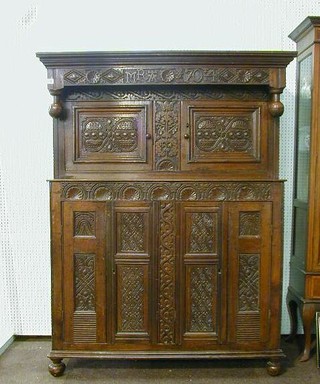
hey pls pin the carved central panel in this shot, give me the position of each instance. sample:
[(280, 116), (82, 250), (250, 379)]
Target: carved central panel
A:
[(250, 224), (112, 134), (223, 134), (84, 224)]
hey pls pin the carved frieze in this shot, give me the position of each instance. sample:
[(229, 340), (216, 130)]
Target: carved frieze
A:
[(180, 191), (163, 93), (165, 75)]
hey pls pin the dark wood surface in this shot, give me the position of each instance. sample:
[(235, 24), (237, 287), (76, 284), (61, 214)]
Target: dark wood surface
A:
[(166, 208), (304, 286)]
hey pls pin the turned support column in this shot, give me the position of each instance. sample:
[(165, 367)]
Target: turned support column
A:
[(55, 109)]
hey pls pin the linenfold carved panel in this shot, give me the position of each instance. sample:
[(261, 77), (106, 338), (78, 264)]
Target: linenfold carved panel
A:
[(180, 191)]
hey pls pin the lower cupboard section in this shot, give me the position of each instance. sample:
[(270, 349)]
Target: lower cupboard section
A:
[(163, 275)]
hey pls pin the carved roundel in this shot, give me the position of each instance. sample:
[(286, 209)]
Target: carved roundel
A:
[(245, 192), (102, 193), (187, 193), (131, 193), (159, 193), (217, 193), (75, 193)]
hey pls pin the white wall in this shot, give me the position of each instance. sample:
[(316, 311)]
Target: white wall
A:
[(26, 128)]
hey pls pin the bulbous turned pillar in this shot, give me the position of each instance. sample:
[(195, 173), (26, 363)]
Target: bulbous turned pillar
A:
[(56, 108), (275, 106)]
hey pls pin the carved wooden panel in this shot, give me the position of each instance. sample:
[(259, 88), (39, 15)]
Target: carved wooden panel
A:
[(201, 284), (250, 224), (165, 75), (221, 133), (203, 233), (200, 236), (167, 273), (84, 224), (167, 143), (132, 299), (110, 133), (132, 229), (84, 272), (249, 279)]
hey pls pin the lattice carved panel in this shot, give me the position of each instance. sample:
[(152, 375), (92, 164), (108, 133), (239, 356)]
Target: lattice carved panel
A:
[(249, 282), (203, 288), (84, 267), (132, 232), (131, 297), (203, 234)]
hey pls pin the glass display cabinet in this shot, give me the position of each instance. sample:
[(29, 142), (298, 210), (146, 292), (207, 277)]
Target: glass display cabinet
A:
[(304, 286)]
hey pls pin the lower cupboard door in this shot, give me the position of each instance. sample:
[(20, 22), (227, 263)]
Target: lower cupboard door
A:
[(200, 273), (249, 272), (84, 279)]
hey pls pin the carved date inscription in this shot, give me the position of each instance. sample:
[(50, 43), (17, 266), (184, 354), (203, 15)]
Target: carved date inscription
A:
[(166, 75)]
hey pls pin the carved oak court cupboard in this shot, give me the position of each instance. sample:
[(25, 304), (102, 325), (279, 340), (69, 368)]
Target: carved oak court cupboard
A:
[(166, 207), (304, 287)]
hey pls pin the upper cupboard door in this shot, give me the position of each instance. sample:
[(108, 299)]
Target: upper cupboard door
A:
[(224, 136), (108, 136)]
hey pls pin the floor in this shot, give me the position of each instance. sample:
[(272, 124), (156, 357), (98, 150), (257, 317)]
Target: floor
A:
[(25, 362)]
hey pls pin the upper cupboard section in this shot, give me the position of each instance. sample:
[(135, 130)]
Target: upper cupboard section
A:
[(166, 115), (153, 135)]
